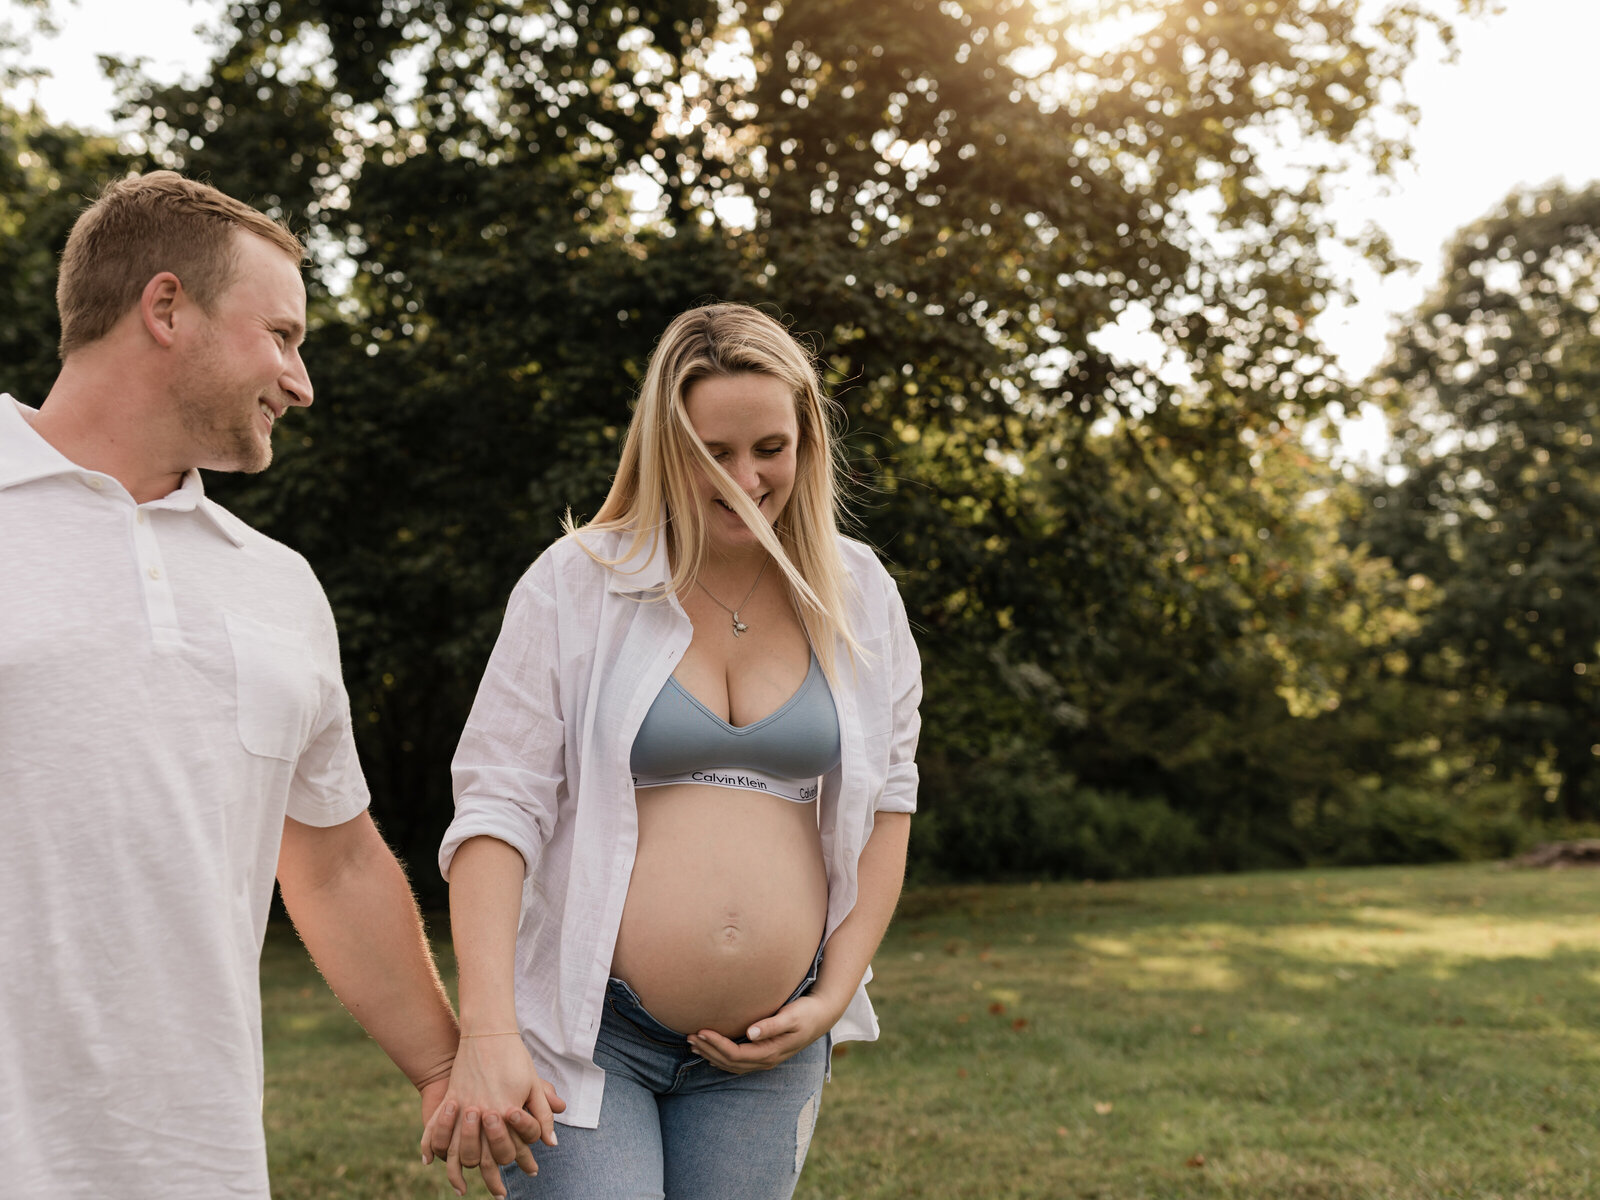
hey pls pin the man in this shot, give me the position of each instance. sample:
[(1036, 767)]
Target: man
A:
[(173, 728)]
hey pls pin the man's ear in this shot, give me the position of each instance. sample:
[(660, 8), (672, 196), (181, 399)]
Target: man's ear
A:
[(158, 305)]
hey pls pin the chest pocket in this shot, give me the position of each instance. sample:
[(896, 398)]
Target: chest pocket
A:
[(277, 690)]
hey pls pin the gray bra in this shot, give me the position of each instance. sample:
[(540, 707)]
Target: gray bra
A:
[(783, 754)]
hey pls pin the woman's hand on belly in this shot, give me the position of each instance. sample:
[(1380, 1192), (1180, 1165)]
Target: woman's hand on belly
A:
[(772, 1040)]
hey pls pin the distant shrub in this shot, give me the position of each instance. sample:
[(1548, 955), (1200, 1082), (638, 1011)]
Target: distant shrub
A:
[(1407, 823), (1005, 821)]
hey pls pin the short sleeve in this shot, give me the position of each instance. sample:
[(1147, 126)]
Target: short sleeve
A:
[(329, 787)]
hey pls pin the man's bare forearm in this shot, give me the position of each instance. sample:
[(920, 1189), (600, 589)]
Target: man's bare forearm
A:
[(353, 908)]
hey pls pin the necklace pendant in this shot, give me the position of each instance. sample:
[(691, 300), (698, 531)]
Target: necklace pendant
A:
[(738, 625)]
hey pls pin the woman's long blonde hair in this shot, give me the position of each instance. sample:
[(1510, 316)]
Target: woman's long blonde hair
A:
[(654, 492)]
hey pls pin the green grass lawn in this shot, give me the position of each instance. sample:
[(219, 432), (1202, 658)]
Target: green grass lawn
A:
[(1396, 1032)]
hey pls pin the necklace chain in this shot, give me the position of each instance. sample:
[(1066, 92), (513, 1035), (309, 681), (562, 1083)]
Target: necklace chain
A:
[(739, 626)]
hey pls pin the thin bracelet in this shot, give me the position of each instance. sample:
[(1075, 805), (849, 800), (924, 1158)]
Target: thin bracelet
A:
[(512, 1033)]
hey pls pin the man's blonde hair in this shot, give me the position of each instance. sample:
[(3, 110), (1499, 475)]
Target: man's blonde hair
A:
[(140, 227), (654, 492)]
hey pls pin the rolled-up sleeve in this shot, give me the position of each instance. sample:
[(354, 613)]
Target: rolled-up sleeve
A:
[(510, 765), (900, 785)]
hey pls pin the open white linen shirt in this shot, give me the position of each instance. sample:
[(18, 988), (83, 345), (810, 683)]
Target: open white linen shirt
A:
[(543, 766), (169, 690)]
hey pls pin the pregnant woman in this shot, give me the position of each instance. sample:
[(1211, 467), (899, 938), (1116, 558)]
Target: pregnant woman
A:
[(682, 800)]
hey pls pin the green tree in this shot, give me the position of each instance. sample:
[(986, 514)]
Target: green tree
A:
[(1494, 385), (483, 308), (966, 199), (962, 202), (46, 173)]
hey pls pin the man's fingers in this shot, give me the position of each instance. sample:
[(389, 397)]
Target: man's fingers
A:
[(436, 1136), (524, 1125), (500, 1140), (452, 1162), (490, 1171), (525, 1160), (471, 1139)]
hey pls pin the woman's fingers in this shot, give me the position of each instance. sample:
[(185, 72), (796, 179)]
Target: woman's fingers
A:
[(556, 1103), (775, 1026), (539, 1108), (719, 1051), (740, 1059)]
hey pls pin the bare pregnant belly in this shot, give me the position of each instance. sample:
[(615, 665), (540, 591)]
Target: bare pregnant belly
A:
[(725, 907)]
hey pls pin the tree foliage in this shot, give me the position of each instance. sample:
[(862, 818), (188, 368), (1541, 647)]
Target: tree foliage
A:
[(1495, 384), (484, 309), (1138, 621), (45, 171)]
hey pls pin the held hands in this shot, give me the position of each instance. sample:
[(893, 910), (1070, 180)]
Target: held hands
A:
[(495, 1106), (772, 1040)]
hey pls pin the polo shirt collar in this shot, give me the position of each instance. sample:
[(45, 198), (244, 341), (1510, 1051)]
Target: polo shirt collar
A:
[(190, 496), (26, 457)]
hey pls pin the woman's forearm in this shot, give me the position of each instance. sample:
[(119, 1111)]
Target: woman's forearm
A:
[(485, 901), (879, 875)]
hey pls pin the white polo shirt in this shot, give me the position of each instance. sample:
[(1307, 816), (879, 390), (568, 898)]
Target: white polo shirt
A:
[(169, 690)]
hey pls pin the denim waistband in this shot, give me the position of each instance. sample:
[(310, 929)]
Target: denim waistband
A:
[(628, 1004)]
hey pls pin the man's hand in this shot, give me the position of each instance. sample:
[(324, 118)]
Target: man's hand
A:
[(773, 1040), (494, 1108)]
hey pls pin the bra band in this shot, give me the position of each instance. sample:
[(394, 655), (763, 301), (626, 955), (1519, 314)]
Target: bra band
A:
[(800, 791)]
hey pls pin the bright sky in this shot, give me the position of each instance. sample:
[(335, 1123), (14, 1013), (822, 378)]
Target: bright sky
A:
[(1509, 110)]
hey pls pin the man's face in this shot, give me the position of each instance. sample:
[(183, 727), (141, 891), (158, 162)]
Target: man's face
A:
[(242, 369)]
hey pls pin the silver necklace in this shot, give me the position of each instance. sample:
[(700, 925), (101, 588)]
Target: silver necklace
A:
[(738, 626)]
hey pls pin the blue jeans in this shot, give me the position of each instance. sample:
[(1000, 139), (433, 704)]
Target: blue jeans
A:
[(673, 1127)]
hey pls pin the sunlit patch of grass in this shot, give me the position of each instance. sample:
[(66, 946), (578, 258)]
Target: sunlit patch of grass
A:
[(1393, 1033), (1385, 1033)]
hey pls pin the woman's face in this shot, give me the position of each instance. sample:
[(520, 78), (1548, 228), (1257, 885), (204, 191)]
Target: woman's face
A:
[(748, 424)]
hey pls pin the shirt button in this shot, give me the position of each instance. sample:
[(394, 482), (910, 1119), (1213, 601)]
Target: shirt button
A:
[(139, 516), (155, 572), (96, 484)]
